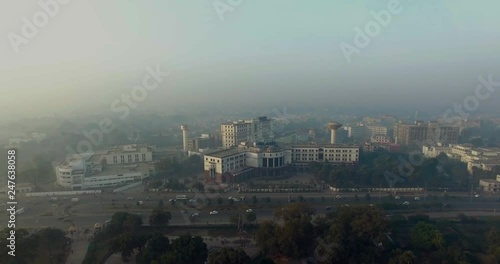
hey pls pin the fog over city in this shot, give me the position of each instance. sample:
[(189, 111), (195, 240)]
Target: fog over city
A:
[(250, 131), (260, 54)]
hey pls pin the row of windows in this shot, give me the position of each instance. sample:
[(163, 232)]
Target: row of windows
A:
[(129, 158), (326, 150)]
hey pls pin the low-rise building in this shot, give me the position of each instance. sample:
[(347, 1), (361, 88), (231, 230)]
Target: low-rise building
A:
[(270, 159), (490, 185), (92, 170)]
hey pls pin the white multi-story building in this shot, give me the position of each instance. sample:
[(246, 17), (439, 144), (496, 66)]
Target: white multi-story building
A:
[(431, 151), (357, 132), (487, 159), (127, 154), (233, 133), (119, 165), (377, 130), (243, 161)]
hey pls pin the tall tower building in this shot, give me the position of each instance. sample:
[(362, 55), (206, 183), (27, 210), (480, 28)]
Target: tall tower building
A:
[(333, 126), (184, 137)]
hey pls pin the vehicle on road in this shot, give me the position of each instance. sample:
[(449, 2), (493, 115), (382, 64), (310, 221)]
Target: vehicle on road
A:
[(477, 196), (130, 198), (181, 197), (338, 196), (141, 202), (236, 199), (328, 208), (397, 197), (214, 212), (249, 210), (195, 214), (171, 200), (230, 198), (406, 203), (75, 200), (20, 211), (417, 198)]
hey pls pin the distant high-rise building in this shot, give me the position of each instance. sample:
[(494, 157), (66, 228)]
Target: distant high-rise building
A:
[(233, 133), (420, 133), (357, 132)]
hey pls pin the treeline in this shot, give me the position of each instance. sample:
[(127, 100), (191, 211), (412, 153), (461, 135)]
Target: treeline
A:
[(412, 171)]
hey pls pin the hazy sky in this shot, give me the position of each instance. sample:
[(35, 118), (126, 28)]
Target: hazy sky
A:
[(272, 52)]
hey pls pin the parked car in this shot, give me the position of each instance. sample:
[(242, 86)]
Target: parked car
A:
[(195, 214), (417, 198), (214, 212), (338, 196), (406, 203), (328, 208), (249, 210), (397, 197), (477, 195), (130, 198)]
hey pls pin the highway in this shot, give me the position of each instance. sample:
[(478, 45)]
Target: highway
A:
[(41, 212)]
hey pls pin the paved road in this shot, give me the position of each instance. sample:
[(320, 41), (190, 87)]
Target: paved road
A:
[(93, 209)]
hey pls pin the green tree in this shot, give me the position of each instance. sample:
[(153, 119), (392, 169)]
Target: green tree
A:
[(229, 255), (251, 217), (160, 218), (186, 250), (354, 234), (156, 245), (426, 236), (403, 257)]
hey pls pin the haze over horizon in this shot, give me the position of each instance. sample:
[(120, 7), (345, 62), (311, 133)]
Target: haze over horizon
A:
[(267, 54)]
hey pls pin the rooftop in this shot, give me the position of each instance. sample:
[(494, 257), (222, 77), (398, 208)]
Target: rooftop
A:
[(123, 169), (225, 152)]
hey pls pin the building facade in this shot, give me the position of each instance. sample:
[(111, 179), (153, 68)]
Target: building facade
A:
[(270, 159), (420, 133), (233, 133), (119, 165), (128, 154)]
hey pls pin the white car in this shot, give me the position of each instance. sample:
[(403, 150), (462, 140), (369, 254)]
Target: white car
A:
[(195, 214), (249, 210), (171, 200), (230, 198), (417, 198), (130, 198), (338, 197), (214, 212), (477, 195), (236, 199), (397, 197), (406, 203)]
